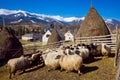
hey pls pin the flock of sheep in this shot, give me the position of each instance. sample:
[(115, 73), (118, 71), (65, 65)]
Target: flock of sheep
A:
[(68, 58)]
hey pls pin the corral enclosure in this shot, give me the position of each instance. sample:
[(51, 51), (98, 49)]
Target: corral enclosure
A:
[(93, 70), (100, 68)]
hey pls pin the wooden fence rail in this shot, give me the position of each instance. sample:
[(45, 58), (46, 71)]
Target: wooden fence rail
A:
[(110, 40)]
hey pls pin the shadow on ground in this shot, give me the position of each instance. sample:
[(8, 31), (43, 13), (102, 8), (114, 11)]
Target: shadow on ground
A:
[(32, 69), (3, 62), (91, 59), (86, 69)]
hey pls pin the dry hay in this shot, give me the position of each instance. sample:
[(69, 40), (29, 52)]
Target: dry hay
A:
[(55, 37), (93, 25), (9, 45)]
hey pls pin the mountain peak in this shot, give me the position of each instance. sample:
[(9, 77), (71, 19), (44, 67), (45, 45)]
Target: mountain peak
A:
[(8, 12)]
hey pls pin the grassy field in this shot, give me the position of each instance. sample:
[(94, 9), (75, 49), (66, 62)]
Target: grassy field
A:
[(98, 69), (25, 42)]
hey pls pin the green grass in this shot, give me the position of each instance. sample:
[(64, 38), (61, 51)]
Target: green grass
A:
[(25, 42)]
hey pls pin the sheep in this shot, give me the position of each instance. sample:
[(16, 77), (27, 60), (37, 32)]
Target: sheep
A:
[(105, 49), (36, 58), (16, 64), (51, 59), (95, 49), (71, 62), (83, 51)]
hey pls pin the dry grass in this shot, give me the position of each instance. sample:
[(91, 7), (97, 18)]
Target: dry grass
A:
[(98, 69)]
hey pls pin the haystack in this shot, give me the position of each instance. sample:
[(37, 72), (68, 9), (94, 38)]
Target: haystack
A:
[(10, 46), (93, 25), (55, 37)]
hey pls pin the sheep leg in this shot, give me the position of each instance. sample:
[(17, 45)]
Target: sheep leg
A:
[(10, 75), (49, 69), (61, 69), (23, 70), (14, 73), (67, 71), (79, 73)]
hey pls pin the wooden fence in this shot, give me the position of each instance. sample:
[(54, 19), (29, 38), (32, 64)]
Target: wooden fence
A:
[(110, 40)]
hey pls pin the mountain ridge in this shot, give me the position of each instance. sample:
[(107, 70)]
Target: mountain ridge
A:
[(17, 16)]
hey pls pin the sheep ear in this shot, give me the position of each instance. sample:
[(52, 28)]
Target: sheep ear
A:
[(77, 52), (64, 53), (58, 57), (105, 46)]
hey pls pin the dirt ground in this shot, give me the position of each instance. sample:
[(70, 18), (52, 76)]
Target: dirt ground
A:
[(100, 68)]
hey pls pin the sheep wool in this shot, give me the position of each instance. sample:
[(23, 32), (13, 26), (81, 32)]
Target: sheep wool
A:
[(71, 62), (105, 49), (51, 59), (15, 64)]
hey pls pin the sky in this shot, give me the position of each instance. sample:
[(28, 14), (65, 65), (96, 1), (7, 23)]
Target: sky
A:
[(65, 8)]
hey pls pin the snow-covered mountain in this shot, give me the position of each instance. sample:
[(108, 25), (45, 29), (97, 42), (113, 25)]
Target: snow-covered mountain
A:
[(17, 16), (112, 22)]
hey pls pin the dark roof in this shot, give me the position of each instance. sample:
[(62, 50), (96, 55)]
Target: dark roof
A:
[(93, 25), (47, 28)]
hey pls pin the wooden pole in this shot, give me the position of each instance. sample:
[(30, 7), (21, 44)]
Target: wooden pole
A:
[(3, 22), (117, 46), (74, 37), (91, 3)]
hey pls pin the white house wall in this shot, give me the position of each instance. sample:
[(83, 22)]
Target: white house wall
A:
[(26, 38), (69, 37), (44, 38)]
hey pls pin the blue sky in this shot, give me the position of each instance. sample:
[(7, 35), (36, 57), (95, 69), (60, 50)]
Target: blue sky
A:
[(65, 8)]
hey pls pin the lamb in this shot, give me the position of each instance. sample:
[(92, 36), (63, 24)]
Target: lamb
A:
[(16, 64), (71, 62), (105, 49)]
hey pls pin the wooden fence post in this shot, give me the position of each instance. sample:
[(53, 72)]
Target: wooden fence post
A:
[(117, 46)]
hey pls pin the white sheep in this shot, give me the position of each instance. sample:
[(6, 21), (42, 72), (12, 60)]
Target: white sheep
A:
[(84, 52), (16, 64), (105, 49), (80, 50), (51, 59), (71, 62)]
